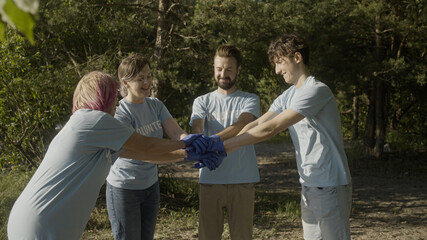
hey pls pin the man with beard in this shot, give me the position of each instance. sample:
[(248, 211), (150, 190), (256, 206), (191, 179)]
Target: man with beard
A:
[(222, 114)]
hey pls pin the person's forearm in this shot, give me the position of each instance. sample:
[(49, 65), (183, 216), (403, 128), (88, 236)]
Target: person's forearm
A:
[(198, 126), (247, 127), (243, 120), (252, 136), (174, 156), (177, 134), (264, 118), (270, 125), (172, 129), (231, 131), (151, 145), (160, 145)]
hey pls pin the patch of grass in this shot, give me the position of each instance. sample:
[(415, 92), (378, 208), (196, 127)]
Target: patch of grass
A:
[(178, 215), (395, 164), (11, 185), (282, 204), (177, 194), (181, 224), (98, 226)]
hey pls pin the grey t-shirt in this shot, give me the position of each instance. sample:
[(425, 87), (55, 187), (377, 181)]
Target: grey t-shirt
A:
[(146, 119), (219, 112), (58, 200), (317, 138)]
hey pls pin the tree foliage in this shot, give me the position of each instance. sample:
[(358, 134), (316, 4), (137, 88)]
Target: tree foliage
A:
[(19, 14), (371, 53), (30, 104)]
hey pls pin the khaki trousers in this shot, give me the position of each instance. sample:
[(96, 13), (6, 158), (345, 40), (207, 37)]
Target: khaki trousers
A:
[(237, 199)]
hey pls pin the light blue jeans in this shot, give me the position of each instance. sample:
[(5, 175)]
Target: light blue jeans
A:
[(133, 213), (325, 212)]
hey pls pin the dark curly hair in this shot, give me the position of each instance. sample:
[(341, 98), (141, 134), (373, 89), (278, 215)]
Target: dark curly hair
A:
[(286, 46)]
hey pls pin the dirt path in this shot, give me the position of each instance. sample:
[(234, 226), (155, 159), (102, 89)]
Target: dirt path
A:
[(383, 208)]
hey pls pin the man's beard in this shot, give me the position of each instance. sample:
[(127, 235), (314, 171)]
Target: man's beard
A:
[(229, 84)]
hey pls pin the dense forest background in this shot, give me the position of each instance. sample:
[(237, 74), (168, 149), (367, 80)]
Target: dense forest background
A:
[(372, 54)]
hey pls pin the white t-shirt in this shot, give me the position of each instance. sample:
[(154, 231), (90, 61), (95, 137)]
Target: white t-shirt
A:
[(219, 112), (317, 138), (58, 200), (146, 119)]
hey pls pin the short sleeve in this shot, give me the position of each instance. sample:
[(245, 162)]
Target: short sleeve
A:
[(108, 133), (309, 101), (163, 111), (123, 117), (279, 104), (252, 105), (199, 110)]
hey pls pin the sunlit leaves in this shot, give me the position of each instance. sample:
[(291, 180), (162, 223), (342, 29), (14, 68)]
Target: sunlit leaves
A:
[(19, 14)]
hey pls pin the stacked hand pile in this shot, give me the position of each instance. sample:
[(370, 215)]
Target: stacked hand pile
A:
[(207, 151)]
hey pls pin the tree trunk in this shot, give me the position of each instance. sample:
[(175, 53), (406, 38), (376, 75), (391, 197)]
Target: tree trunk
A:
[(380, 120), (160, 46), (355, 134), (375, 130), (369, 136)]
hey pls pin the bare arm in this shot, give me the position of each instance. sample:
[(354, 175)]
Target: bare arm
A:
[(236, 127), (172, 129), (264, 130), (150, 145), (198, 125), (174, 156), (231, 131), (264, 118)]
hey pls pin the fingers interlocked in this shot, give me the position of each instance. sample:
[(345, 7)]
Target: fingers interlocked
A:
[(207, 151)]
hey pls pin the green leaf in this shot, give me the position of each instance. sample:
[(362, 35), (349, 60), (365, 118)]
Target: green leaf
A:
[(23, 21), (2, 38), (30, 6)]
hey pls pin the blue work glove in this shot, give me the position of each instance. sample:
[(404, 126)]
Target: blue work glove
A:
[(215, 138), (200, 144), (193, 155), (208, 160), (211, 160), (216, 147), (190, 138), (209, 163)]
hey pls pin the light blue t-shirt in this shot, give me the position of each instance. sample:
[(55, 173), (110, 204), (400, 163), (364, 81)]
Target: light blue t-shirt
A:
[(317, 138), (219, 112), (146, 119), (58, 200)]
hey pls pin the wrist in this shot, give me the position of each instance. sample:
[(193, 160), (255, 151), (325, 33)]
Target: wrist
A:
[(181, 144)]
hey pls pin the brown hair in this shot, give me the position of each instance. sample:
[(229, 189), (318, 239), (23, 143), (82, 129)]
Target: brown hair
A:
[(96, 90), (229, 51), (129, 69), (286, 46)]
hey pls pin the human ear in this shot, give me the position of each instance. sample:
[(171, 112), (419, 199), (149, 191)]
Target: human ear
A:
[(124, 83), (298, 57)]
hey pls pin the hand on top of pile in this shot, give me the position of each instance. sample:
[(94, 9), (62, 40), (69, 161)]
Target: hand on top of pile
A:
[(208, 151)]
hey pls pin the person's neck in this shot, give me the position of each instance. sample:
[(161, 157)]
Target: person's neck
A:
[(302, 78), (227, 92), (134, 99)]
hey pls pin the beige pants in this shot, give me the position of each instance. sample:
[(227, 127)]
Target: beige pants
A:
[(237, 199)]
